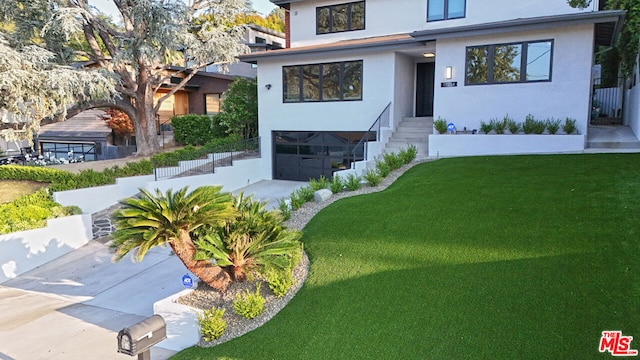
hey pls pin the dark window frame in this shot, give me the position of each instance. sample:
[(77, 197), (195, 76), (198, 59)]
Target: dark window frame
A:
[(349, 16), (445, 14), (523, 62), (301, 98)]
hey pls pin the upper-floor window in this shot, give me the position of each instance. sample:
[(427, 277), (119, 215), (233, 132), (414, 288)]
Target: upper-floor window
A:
[(507, 63), (341, 17), (445, 9), (338, 81)]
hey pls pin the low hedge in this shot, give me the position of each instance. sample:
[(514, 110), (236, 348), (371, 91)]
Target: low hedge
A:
[(31, 212), (195, 130), (191, 152)]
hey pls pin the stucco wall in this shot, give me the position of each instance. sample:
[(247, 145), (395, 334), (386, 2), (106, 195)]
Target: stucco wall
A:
[(567, 95), (274, 115), (403, 16), (632, 110)]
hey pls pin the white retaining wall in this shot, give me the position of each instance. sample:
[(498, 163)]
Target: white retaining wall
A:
[(632, 110), (26, 250), (469, 145)]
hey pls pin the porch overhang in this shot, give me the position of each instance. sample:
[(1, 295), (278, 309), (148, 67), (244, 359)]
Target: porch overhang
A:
[(608, 25)]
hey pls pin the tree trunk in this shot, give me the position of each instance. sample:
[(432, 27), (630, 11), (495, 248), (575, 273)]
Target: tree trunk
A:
[(213, 275), (145, 123)]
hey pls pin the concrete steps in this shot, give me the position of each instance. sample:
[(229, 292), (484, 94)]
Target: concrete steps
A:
[(412, 130)]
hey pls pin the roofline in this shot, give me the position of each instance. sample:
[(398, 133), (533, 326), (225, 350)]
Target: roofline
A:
[(522, 24), (330, 48)]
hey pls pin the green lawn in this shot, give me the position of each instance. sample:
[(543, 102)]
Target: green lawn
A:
[(520, 257), (11, 190)]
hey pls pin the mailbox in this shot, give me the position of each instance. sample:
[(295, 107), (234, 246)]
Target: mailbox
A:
[(140, 337)]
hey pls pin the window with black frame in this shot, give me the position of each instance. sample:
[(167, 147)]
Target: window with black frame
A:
[(339, 81), (340, 17), (528, 61), (445, 9)]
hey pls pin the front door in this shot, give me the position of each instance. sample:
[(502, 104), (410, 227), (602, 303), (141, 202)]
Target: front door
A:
[(425, 74)]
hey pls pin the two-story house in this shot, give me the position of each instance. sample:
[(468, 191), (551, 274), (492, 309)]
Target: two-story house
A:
[(348, 62)]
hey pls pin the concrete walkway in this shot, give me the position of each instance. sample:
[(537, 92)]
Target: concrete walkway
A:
[(74, 306)]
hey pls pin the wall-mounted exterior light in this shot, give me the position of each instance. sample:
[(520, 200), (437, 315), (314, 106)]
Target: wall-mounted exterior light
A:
[(448, 72)]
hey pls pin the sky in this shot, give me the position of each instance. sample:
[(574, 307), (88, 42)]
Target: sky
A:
[(262, 6)]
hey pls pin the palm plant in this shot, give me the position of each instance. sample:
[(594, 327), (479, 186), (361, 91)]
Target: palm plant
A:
[(254, 240), (159, 219)]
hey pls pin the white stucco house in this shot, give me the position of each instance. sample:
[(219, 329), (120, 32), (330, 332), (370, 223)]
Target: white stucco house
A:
[(348, 64)]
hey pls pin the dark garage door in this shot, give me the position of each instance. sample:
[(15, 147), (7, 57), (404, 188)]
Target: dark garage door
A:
[(304, 155)]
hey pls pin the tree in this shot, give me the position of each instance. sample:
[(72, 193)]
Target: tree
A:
[(254, 240), (153, 36), (120, 123), (32, 87), (155, 220), (239, 113)]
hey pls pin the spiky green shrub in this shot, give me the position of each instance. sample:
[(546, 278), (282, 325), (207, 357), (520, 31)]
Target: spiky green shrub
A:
[(529, 125), (440, 125), (499, 125), (285, 208), (383, 168), (319, 183), (409, 154), (353, 182), (249, 304), (372, 177), (393, 160), (337, 184), (212, 325), (486, 127), (513, 126), (569, 126), (279, 281), (553, 125), (300, 196)]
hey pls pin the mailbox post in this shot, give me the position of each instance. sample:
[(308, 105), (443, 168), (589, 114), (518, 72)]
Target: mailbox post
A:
[(138, 339)]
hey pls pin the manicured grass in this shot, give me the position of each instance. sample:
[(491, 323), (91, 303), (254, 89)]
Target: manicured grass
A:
[(11, 190), (523, 257)]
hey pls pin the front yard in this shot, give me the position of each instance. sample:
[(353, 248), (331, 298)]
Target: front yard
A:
[(528, 257)]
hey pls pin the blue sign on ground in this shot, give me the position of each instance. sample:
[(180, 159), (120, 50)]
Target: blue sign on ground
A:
[(451, 127), (187, 281)]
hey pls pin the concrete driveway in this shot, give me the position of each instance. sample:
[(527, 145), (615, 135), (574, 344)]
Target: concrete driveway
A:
[(74, 306)]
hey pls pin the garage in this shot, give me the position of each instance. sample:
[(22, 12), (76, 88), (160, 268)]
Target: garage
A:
[(304, 155)]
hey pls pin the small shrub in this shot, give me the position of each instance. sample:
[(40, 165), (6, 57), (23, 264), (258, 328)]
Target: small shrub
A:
[(409, 154), (212, 325), (383, 168), (285, 208), (337, 184), (279, 281), (486, 127), (539, 127), (529, 124), (372, 177), (553, 125), (301, 196), (319, 184), (569, 126), (393, 160), (440, 125), (353, 182), (499, 125), (513, 126), (249, 304)]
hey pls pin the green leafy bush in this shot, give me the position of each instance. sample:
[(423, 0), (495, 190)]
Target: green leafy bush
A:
[(393, 160), (300, 196), (239, 112), (353, 182), (195, 129), (513, 126), (249, 304), (499, 125), (372, 177), (285, 208), (486, 127), (31, 212), (409, 154), (190, 152), (337, 184), (440, 125), (569, 126), (383, 168), (279, 281), (532, 126), (319, 184), (553, 125), (212, 325)]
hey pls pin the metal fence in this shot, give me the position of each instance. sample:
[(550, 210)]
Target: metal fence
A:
[(199, 164)]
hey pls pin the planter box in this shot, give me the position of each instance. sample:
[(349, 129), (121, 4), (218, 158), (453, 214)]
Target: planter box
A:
[(480, 144)]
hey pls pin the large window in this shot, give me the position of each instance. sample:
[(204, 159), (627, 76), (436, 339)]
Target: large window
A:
[(445, 9), (342, 17), (323, 82), (509, 63)]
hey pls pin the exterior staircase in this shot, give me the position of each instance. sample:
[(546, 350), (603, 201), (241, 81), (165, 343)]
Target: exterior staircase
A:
[(412, 130)]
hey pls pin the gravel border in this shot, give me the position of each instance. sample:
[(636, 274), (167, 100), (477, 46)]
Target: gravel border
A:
[(203, 297)]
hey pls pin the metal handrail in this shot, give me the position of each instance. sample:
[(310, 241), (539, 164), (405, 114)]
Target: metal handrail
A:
[(382, 120)]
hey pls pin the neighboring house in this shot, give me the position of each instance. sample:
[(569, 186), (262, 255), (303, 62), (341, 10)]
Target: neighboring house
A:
[(460, 60), (258, 39)]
